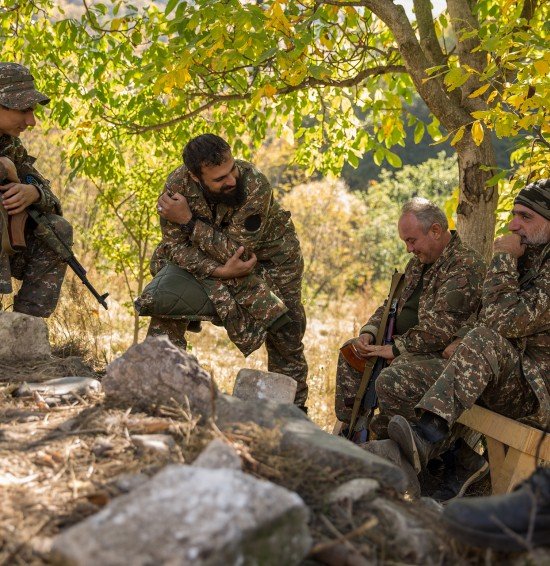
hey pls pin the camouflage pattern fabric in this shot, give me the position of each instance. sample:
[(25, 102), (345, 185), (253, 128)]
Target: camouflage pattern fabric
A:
[(451, 292), (505, 361), (39, 268), (265, 229)]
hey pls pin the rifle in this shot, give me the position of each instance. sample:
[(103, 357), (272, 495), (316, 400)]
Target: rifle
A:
[(366, 400), (13, 240), (46, 232)]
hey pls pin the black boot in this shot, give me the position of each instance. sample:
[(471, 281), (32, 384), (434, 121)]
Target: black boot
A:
[(420, 442), (463, 466), (513, 522)]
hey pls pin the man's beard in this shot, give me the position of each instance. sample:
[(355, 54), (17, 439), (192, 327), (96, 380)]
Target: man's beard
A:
[(234, 198), (540, 237)]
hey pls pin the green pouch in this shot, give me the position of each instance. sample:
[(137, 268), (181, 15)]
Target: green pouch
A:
[(174, 292)]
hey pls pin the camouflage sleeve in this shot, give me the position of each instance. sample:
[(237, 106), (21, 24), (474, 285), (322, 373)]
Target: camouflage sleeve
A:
[(27, 173), (512, 312), (246, 226), (371, 327), (184, 253), (456, 298)]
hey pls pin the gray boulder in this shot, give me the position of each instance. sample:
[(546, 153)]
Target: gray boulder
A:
[(201, 517), (155, 373), (23, 337), (252, 384), (218, 454), (337, 453)]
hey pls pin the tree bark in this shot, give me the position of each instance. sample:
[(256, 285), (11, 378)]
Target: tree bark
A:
[(477, 204)]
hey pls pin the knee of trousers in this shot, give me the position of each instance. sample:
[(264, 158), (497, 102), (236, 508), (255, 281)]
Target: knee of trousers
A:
[(482, 336), (62, 227), (385, 384)]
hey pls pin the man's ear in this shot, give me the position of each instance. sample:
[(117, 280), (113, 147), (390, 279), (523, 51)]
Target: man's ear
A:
[(436, 230)]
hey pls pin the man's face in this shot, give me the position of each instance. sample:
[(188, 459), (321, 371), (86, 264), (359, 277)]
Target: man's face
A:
[(531, 227), (221, 182), (14, 122), (427, 247)]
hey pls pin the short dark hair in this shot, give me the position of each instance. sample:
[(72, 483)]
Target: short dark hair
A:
[(206, 149)]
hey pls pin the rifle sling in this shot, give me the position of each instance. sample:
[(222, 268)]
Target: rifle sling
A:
[(395, 288)]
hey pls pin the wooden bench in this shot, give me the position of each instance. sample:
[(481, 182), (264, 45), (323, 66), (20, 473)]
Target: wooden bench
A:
[(512, 446)]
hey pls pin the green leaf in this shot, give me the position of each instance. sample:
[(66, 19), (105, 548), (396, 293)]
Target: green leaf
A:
[(419, 130)]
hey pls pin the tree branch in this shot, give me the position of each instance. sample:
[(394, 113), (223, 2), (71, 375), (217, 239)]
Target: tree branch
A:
[(309, 82), (426, 29)]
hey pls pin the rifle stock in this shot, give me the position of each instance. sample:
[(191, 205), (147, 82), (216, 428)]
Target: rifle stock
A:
[(365, 399)]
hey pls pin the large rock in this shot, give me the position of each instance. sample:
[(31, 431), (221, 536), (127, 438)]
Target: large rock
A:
[(23, 337), (155, 373), (201, 517), (268, 414), (337, 453), (253, 384)]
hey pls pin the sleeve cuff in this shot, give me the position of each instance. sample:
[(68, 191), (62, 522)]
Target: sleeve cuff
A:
[(369, 329), (399, 343)]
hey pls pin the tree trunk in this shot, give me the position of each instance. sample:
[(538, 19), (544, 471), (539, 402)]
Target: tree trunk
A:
[(477, 204)]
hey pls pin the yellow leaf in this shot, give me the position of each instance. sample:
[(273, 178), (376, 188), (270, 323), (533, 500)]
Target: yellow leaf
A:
[(277, 19), (479, 91), (542, 67), (458, 136), (115, 24), (477, 132), (269, 90), (492, 96)]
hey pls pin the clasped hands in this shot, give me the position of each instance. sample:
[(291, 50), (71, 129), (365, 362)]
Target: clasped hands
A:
[(16, 196), (510, 244), (366, 349)]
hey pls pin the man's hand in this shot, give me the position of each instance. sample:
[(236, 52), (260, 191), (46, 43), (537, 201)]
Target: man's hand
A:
[(510, 244), (174, 208), (8, 170), (450, 349), (235, 267), (385, 352), (361, 343), (17, 196)]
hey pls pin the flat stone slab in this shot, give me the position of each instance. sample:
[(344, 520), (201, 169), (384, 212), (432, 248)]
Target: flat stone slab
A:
[(253, 384), (336, 453), (188, 515), (23, 337), (60, 387)]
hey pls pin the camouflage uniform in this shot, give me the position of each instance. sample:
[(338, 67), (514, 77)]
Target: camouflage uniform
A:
[(246, 306), (451, 292), (40, 269), (505, 361)]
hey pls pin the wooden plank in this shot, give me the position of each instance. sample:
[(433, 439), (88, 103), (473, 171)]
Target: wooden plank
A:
[(508, 431), (517, 467), (497, 455)]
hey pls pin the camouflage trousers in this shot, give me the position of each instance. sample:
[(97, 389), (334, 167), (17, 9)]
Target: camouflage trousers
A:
[(285, 349), (487, 368), (399, 387), (40, 269)]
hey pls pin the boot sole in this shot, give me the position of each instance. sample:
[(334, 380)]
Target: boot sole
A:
[(400, 432)]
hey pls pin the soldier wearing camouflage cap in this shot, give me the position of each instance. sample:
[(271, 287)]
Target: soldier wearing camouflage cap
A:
[(37, 266), (501, 360), (221, 223)]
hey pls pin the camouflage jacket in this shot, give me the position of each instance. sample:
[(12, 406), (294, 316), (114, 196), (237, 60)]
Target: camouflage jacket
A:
[(516, 303), (451, 292), (13, 149), (247, 305)]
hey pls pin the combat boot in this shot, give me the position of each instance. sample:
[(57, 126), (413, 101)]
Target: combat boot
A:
[(463, 466), (513, 522), (421, 441)]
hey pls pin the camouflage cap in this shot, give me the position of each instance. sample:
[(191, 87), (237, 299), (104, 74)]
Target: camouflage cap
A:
[(17, 90), (536, 196)]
